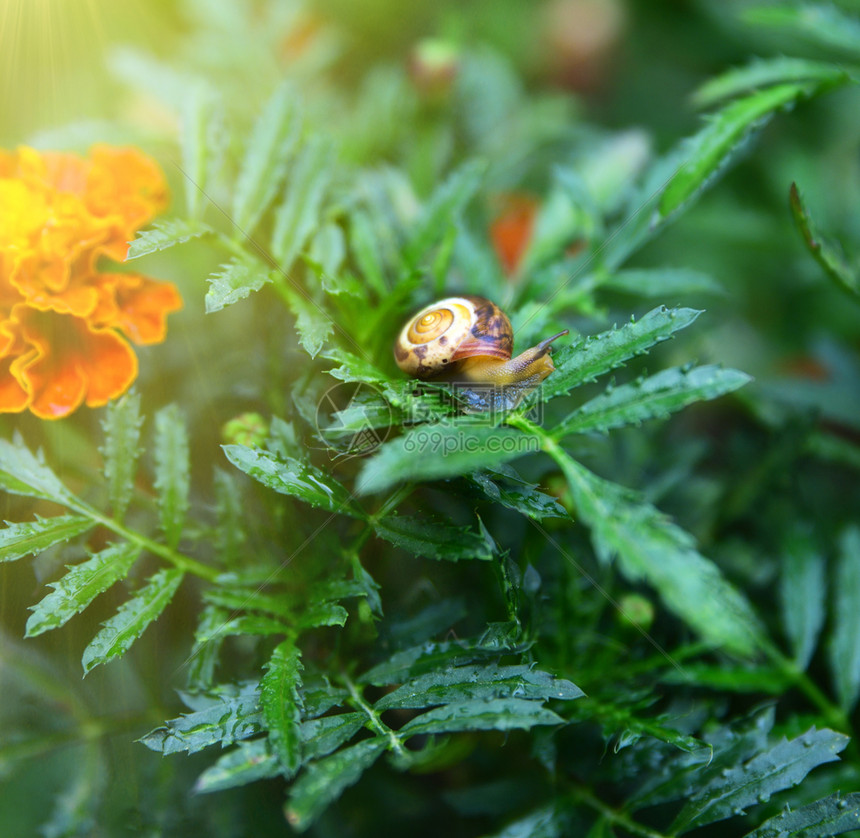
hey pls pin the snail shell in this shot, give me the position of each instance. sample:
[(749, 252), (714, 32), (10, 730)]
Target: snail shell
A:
[(470, 340)]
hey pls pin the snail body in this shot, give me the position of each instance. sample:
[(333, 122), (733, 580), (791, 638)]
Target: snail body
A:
[(468, 341)]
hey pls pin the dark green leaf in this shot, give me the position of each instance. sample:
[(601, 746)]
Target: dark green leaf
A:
[(298, 215), (655, 397), (845, 644), (166, 234), (265, 163), (235, 281), (596, 354), (322, 736), (834, 815), (121, 449), (478, 682), (229, 717), (121, 630), (433, 538), (172, 471), (22, 473), (282, 704), (495, 714), (649, 546), (506, 488), (26, 538), (323, 782), (541, 823), (802, 590), (80, 586), (781, 767), (827, 253), (249, 761), (290, 477), (431, 452)]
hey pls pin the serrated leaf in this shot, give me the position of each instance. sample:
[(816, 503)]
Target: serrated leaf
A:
[(432, 452), (827, 253), (513, 493), (323, 781), (196, 144), (441, 210), (227, 719), (31, 537), (596, 354), (22, 473), (298, 214), (80, 586), (322, 736), (845, 643), (235, 281), (172, 471), (434, 539), (248, 762), (802, 589), (834, 815), (477, 682), (166, 234), (265, 162), (647, 545), (231, 533), (762, 73), (121, 450), (655, 397), (709, 151), (781, 767), (540, 823), (353, 368), (495, 714), (282, 704), (313, 323), (120, 631), (367, 251), (323, 614), (290, 477), (328, 250), (207, 647)]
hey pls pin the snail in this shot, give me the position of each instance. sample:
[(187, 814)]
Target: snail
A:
[(468, 341)]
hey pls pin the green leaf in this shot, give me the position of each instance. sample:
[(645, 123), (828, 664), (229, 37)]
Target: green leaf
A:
[(121, 450), (208, 641), (31, 537), (781, 767), (649, 546), (434, 539), (367, 250), (494, 714), (249, 761), (132, 618), (506, 488), (228, 716), (172, 471), (235, 281), (313, 323), (231, 533), (22, 473), (442, 209), (80, 586), (290, 477), (821, 25), (802, 591), (166, 234), (432, 452), (198, 142), (845, 643), (322, 736), (657, 396), (264, 165), (832, 815), (662, 282), (827, 253), (282, 704), (323, 781), (540, 823), (298, 214), (596, 354), (328, 250), (762, 73), (478, 682)]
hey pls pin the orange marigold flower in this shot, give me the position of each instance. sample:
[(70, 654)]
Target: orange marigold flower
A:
[(511, 231), (65, 322)]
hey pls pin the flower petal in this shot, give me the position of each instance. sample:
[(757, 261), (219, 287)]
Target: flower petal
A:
[(141, 306)]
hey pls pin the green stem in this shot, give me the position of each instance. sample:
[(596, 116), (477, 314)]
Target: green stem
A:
[(378, 725), (176, 558), (615, 817)]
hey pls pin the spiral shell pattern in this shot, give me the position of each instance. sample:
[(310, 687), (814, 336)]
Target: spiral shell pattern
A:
[(447, 331)]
